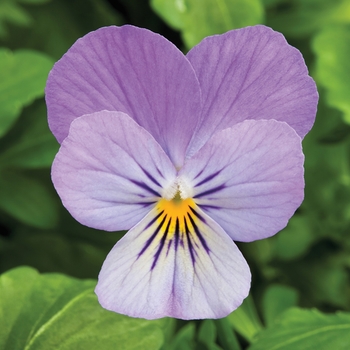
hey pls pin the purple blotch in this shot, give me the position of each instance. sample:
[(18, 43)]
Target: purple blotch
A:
[(145, 204), (209, 206), (160, 173), (149, 241), (160, 248), (177, 233), (145, 187), (199, 174), (154, 220), (151, 177), (190, 246), (169, 245), (198, 233), (199, 216), (213, 190), (208, 178)]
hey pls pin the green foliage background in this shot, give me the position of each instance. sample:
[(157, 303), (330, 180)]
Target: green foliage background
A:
[(300, 297)]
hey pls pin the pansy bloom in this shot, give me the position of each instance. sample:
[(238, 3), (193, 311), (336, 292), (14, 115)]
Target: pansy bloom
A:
[(189, 153)]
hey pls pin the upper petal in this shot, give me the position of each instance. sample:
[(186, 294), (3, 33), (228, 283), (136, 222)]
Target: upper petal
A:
[(109, 171), (252, 73), (182, 266), (131, 70), (249, 178)]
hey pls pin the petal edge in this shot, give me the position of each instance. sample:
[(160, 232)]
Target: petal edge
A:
[(252, 73)]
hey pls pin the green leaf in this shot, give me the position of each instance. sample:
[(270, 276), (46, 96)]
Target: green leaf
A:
[(307, 330), (207, 332), (58, 24), (327, 176), (321, 276), (27, 199), (300, 18), (9, 287), (269, 3), (11, 12), (173, 12), (332, 48), (226, 335), (53, 311), (260, 251), (245, 319), (207, 336), (48, 251), (33, 2), (29, 144), (31, 153), (23, 76), (200, 18), (295, 239), (184, 339), (338, 133), (277, 299), (326, 280)]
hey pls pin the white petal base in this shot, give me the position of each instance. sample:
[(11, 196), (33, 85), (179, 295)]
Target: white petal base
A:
[(181, 265)]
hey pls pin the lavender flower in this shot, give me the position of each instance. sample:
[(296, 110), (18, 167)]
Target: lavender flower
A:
[(188, 153)]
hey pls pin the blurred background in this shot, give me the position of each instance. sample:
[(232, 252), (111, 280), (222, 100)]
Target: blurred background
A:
[(306, 265)]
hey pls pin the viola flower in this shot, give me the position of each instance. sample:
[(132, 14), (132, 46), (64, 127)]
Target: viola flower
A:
[(189, 153)]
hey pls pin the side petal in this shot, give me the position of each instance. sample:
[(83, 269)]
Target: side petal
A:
[(110, 171), (182, 266), (131, 70), (252, 73), (248, 178)]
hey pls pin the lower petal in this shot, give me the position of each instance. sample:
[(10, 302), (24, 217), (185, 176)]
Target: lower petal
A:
[(177, 263)]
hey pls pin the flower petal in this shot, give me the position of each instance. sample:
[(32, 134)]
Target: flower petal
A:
[(110, 171), (182, 266), (252, 73), (248, 178), (131, 70)]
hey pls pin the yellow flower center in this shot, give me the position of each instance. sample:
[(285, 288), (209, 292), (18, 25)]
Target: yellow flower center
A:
[(176, 215)]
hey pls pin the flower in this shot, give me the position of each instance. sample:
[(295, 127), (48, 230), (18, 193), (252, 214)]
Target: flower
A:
[(188, 153)]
